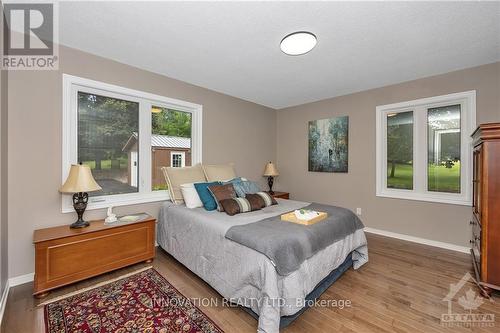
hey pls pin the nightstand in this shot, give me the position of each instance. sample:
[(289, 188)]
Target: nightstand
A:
[(281, 195)]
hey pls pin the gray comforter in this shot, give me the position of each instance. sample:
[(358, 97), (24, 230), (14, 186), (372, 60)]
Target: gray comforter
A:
[(287, 244)]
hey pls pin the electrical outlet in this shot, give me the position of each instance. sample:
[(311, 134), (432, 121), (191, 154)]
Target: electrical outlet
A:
[(358, 211)]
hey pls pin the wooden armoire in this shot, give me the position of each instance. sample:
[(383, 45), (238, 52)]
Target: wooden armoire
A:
[(485, 241)]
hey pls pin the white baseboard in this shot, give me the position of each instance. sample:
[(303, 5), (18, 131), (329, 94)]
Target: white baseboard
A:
[(3, 300), (12, 282), (21, 279), (419, 240)]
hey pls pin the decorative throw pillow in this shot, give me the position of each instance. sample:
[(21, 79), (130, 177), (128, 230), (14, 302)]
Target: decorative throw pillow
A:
[(219, 172), (205, 195), (222, 192), (191, 197), (235, 206), (236, 183), (177, 176), (233, 181), (245, 187), (267, 199)]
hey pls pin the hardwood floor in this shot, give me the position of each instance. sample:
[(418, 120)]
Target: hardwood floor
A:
[(401, 289)]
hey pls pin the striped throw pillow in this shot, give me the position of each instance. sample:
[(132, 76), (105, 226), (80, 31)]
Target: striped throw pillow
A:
[(268, 199), (235, 206)]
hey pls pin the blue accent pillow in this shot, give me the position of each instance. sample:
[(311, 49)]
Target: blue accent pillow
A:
[(205, 195), (236, 184), (233, 181), (244, 187)]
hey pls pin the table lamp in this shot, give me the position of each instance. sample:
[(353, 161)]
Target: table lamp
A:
[(270, 172), (79, 182)]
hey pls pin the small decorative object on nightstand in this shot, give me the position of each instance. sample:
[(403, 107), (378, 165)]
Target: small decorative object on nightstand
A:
[(79, 182), (270, 172), (111, 217)]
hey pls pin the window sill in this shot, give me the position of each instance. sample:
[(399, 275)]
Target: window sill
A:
[(427, 197), (116, 200)]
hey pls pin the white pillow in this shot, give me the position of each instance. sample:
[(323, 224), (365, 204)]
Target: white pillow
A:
[(190, 195)]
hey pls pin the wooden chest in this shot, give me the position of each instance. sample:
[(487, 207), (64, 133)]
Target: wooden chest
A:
[(64, 255)]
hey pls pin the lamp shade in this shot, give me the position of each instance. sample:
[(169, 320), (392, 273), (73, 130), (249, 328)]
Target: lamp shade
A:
[(79, 180), (271, 170)]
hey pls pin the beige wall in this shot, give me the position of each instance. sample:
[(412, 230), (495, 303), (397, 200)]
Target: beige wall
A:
[(440, 222), (233, 131)]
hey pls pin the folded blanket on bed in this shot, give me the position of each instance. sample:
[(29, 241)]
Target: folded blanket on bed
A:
[(289, 244)]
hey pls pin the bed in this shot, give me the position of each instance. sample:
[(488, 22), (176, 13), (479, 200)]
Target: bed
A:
[(197, 239)]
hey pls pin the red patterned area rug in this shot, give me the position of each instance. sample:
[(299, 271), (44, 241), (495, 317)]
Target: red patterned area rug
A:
[(142, 302)]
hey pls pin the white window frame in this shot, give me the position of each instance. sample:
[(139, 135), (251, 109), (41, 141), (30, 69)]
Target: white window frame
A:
[(467, 101), (71, 86), (183, 158)]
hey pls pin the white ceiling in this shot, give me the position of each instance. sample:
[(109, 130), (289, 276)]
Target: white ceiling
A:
[(233, 47)]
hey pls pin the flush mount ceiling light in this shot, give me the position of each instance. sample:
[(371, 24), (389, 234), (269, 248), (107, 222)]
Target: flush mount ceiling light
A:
[(298, 43)]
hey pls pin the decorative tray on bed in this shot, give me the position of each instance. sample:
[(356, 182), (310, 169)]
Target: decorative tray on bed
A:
[(291, 217)]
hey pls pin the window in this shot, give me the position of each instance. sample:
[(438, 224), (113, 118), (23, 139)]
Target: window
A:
[(177, 159), (170, 142), (400, 150), (104, 127), (424, 148), (443, 129), (126, 136)]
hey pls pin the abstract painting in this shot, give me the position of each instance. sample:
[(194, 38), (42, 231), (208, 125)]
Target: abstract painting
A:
[(328, 144)]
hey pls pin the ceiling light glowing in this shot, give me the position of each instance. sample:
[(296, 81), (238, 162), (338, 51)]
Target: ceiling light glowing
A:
[(298, 43)]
